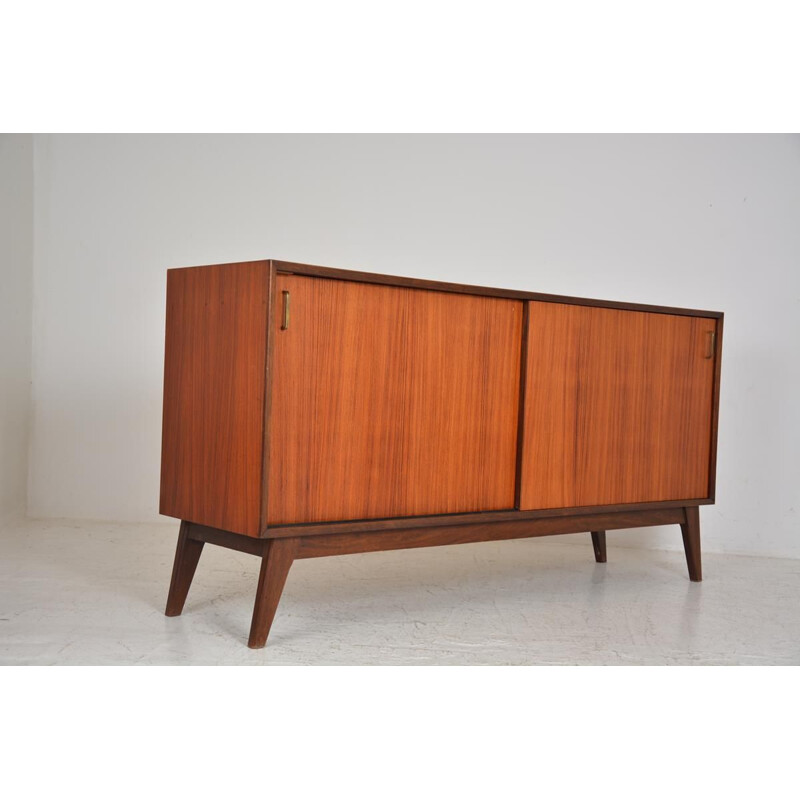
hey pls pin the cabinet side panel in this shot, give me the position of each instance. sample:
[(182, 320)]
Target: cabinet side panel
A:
[(391, 402), (214, 391), (618, 407)]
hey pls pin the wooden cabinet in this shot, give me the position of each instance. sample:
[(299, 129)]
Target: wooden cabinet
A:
[(311, 411)]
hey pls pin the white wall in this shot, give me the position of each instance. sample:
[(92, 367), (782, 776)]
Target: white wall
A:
[(700, 221), (16, 264)]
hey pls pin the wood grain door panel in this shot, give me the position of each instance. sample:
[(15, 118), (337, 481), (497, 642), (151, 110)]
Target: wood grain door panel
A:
[(618, 407), (390, 402)]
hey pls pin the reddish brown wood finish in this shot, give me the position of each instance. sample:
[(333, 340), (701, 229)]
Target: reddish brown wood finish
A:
[(233, 541), (523, 371), (436, 406), (712, 476), (289, 267), (344, 543), (599, 545), (275, 565), (214, 395), (265, 444), (187, 554), (205, 446), (478, 518), (391, 402), (618, 407), (278, 554), (691, 543)]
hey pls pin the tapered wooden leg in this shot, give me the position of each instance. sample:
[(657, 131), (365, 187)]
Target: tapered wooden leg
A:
[(187, 554), (275, 564), (599, 544), (691, 543)]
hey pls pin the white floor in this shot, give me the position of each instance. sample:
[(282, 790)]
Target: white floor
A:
[(91, 593)]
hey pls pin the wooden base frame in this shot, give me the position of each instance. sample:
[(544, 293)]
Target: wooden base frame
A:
[(280, 550)]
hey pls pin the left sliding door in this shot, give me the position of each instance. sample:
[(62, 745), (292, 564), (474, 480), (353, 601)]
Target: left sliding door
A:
[(390, 402)]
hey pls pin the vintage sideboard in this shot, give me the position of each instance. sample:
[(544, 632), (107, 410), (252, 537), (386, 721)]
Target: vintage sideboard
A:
[(311, 411)]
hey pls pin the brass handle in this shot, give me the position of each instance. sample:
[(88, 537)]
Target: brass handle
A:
[(711, 340), (285, 321)]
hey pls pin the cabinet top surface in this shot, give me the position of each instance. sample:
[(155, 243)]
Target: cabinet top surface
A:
[(441, 286)]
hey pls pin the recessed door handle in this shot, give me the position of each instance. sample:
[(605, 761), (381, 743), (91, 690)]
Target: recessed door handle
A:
[(285, 318), (711, 339)]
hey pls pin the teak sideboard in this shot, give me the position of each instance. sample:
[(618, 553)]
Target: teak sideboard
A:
[(311, 411)]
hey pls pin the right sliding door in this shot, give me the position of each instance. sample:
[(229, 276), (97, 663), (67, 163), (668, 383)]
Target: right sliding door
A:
[(618, 407)]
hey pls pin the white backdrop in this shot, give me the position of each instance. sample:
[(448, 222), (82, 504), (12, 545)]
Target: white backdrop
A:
[(16, 258), (700, 221)]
